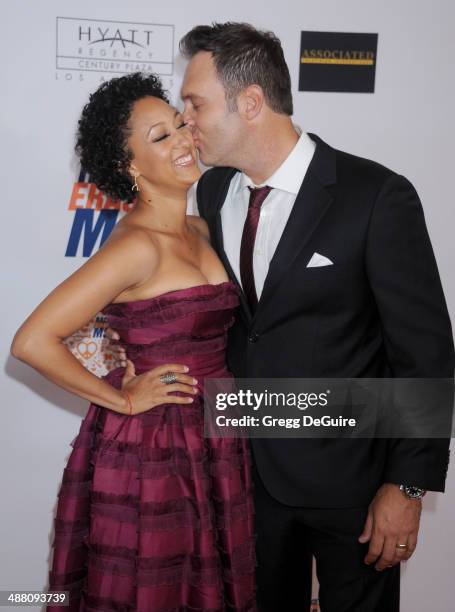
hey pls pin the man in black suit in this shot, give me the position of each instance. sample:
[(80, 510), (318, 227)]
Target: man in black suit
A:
[(339, 281)]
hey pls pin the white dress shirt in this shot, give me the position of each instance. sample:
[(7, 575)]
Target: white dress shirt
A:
[(275, 210)]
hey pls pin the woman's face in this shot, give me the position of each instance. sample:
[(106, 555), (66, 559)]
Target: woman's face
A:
[(163, 150)]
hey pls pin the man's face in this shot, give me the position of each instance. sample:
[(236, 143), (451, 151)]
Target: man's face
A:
[(215, 128)]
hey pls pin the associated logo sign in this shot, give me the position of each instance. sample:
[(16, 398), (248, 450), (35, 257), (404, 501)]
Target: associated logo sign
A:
[(338, 61), (96, 45), (95, 216)]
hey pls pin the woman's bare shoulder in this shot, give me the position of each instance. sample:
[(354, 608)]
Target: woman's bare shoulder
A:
[(130, 248), (132, 237)]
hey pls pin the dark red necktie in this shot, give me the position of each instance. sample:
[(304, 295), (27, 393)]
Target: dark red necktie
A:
[(257, 197)]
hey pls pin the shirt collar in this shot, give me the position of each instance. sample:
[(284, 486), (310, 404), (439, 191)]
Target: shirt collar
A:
[(289, 176)]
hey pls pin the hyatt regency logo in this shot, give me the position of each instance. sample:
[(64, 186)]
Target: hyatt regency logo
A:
[(96, 45)]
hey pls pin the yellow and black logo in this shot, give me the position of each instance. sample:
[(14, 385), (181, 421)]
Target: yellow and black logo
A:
[(338, 61)]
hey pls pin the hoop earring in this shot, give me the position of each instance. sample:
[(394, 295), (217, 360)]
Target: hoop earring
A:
[(135, 186)]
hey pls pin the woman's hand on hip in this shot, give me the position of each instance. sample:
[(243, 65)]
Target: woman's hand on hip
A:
[(148, 390)]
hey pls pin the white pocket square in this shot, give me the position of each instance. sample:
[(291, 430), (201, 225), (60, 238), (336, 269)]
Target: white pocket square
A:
[(319, 260)]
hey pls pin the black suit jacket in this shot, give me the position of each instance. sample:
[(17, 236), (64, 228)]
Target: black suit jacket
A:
[(379, 311)]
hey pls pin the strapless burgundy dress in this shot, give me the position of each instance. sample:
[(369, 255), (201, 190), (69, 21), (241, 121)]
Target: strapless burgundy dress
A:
[(152, 516)]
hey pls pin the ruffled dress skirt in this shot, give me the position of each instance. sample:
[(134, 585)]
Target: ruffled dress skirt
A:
[(153, 516)]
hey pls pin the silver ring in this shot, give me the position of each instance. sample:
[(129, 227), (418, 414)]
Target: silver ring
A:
[(402, 546), (169, 378)]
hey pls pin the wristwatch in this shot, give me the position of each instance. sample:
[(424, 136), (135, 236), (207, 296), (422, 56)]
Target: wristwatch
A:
[(412, 492)]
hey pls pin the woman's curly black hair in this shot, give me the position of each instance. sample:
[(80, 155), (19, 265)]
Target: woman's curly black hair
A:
[(103, 131)]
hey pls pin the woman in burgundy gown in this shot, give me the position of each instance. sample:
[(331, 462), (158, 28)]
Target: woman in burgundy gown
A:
[(152, 516)]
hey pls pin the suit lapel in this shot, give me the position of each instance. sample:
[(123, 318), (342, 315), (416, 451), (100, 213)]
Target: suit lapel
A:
[(312, 202)]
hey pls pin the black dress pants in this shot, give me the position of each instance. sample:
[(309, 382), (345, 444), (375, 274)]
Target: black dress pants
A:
[(288, 536)]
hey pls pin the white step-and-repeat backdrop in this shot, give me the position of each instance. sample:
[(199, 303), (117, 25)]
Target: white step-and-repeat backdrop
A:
[(52, 55)]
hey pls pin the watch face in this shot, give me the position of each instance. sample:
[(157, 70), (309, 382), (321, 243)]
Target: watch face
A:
[(414, 491)]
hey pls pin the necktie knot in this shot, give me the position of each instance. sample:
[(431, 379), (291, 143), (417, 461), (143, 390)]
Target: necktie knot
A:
[(258, 195)]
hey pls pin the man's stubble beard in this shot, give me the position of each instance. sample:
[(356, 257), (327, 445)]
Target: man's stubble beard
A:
[(229, 154)]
